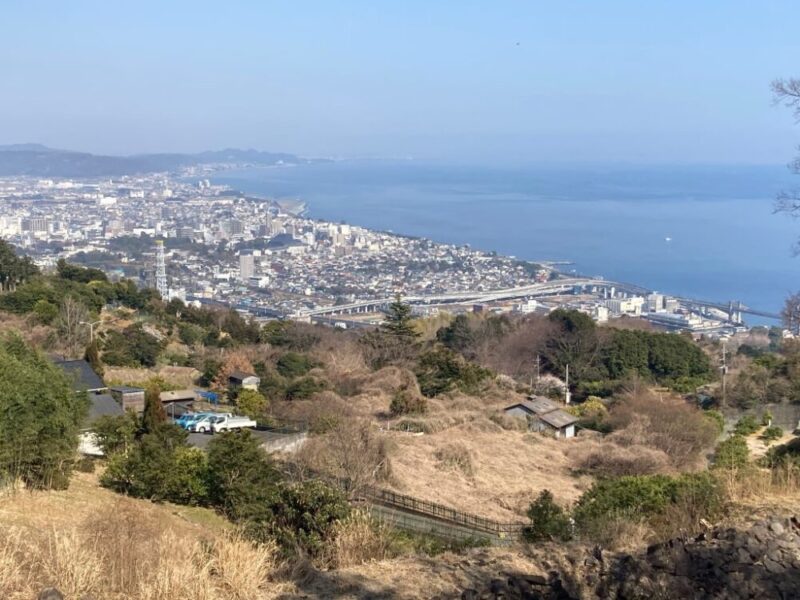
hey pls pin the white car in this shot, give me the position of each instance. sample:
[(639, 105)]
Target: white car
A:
[(226, 423), (204, 424)]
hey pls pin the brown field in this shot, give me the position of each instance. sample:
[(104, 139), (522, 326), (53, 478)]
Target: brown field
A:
[(179, 377), (507, 469)]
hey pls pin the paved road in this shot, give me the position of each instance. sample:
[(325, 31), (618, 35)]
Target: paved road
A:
[(201, 440)]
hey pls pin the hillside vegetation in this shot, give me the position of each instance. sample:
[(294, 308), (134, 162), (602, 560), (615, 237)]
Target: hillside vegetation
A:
[(414, 406)]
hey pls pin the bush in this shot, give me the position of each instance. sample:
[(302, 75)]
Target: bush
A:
[(303, 388), (442, 370), (732, 453), (293, 364), (642, 497), (746, 425), (252, 403), (160, 467), (406, 402), (717, 418), (305, 516), (770, 434), (548, 521)]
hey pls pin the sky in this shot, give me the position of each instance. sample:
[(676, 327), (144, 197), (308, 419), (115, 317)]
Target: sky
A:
[(457, 80)]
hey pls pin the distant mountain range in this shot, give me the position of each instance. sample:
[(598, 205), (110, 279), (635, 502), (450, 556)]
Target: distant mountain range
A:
[(40, 161)]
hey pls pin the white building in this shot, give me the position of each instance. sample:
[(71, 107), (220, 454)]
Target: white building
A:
[(626, 306)]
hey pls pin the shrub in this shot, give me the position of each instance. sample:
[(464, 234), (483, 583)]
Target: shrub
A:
[(766, 419), (717, 418), (665, 423), (115, 433), (746, 425), (160, 467), (303, 388), (441, 370), (407, 402), (305, 515), (294, 364), (732, 453), (770, 434), (646, 496), (787, 454), (252, 403), (548, 521)]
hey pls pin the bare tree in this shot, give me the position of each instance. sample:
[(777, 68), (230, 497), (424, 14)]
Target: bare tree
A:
[(73, 334), (787, 92), (791, 313)]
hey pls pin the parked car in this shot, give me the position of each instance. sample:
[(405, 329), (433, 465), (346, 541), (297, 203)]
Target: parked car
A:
[(228, 422), (204, 424), (186, 419)]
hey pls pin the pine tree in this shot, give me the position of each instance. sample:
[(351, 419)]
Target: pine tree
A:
[(399, 321), (154, 413)]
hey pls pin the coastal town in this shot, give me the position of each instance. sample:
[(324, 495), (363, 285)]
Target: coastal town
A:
[(210, 244)]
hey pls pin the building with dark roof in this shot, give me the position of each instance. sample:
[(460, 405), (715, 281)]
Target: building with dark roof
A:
[(243, 380), (83, 377), (544, 415)]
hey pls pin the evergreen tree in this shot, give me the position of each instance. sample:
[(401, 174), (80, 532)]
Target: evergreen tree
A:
[(398, 320), (154, 413), (40, 417)]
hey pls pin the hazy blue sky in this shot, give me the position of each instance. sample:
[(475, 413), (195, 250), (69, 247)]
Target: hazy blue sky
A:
[(652, 81)]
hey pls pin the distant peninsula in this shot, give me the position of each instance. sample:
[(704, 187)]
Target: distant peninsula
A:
[(37, 160)]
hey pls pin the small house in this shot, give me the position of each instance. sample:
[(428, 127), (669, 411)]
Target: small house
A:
[(178, 396), (239, 380), (129, 398), (544, 415)]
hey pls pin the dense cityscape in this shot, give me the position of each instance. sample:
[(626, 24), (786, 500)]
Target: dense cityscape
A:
[(267, 258)]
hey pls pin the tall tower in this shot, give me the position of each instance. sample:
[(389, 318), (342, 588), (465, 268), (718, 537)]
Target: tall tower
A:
[(161, 271)]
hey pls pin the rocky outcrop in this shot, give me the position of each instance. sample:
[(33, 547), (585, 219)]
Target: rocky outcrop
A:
[(760, 562)]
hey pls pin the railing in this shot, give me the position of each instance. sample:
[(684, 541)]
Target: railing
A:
[(439, 511)]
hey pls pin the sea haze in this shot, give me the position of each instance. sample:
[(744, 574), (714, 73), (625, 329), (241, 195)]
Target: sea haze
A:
[(705, 232)]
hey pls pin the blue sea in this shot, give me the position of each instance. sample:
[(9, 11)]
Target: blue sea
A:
[(706, 232)]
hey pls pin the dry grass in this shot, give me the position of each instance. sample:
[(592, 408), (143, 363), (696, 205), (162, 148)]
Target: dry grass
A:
[(456, 456), (88, 541), (605, 458), (509, 469), (359, 539), (180, 377)]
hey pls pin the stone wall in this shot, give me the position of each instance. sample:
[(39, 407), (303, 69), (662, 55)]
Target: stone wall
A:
[(761, 562)]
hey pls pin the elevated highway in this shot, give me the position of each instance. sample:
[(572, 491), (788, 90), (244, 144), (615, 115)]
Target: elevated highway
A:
[(733, 309)]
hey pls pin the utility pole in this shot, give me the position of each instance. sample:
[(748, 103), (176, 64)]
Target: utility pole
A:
[(567, 395), (724, 369)]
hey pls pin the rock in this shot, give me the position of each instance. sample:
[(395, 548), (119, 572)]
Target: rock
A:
[(50, 594), (776, 527)]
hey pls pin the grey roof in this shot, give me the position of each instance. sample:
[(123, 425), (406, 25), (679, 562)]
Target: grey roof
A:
[(81, 374), (536, 405), (558, 418), (176, 395), (125, 389), (102, 405)]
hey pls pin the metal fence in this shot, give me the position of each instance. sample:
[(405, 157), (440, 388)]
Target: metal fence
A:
[(441, 512)]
